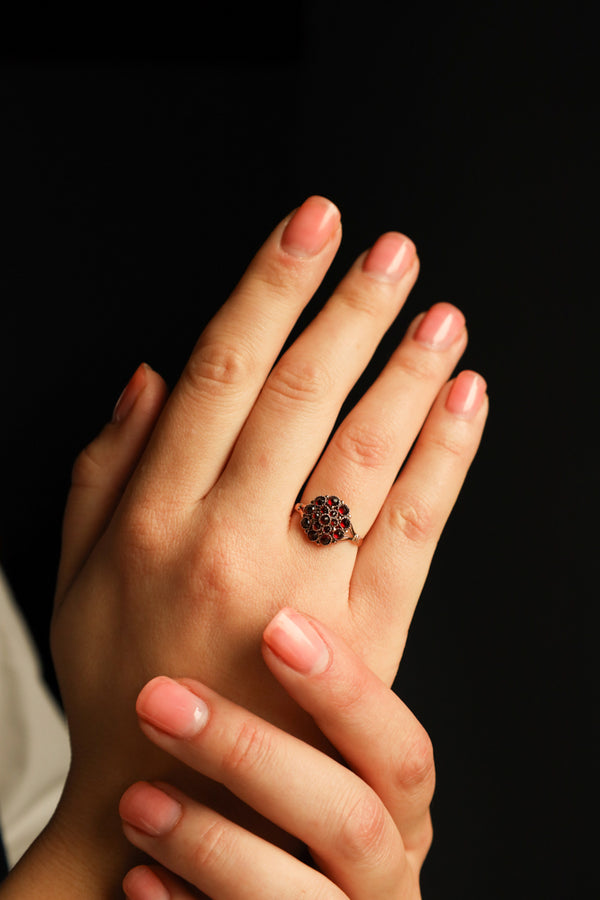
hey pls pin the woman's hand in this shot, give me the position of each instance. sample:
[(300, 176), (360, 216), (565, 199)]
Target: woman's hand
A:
[(180, 540), (368, 829)]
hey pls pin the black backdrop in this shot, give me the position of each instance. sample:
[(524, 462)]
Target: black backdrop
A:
[(136, 185)]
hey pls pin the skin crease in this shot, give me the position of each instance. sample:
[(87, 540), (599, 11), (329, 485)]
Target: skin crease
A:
[(179, 544)]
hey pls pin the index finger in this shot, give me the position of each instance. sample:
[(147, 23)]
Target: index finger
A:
[(234, 355), (375, 732)]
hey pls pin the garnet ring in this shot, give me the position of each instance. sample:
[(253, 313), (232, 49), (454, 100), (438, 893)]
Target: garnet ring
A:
[(326, 521)]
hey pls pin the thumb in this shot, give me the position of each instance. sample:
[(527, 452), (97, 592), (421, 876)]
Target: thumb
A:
[(103, 468)]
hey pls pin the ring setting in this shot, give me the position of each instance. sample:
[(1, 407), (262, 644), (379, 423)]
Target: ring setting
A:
[(326, 521)]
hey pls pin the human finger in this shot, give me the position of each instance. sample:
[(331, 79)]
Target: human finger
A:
[(156, 883), (216, 855), (401, 543), (362, 460), (235, 353), (290, 783), (104, 467), (367, 723), (300, 401)]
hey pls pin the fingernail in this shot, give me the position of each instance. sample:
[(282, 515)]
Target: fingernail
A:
[(149, 809), (135, 386), (466, 395), (142, 882), (440, 327), (172, 708), (294, 640), (390, 257), (311, 227)]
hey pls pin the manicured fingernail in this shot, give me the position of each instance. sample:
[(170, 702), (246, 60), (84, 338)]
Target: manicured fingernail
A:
[(294, 640), (172, 708), (390, 257), (440, 327), (149, 809), (135, 386), (311, 227), (466, 395)]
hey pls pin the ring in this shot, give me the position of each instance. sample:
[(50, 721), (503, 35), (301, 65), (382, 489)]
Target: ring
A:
[(326, 520)]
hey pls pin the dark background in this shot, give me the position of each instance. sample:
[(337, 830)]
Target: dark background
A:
[(137, 182)]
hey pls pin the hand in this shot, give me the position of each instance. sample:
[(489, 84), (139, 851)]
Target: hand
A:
[(179, 538), (369, 829)]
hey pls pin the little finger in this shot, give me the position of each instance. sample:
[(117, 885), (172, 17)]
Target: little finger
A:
[(103, 468), (402, 541), (216, 855)]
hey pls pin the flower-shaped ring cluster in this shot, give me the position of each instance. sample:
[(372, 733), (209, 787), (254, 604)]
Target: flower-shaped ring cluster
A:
[(326, 520)]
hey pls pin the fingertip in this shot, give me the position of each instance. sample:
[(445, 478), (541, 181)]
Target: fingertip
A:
[(130, 393), (294, 640), (310, 227), (466, 395), (155, 381), (142, 883)]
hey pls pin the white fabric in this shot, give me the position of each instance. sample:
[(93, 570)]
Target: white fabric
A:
[(34, 745)]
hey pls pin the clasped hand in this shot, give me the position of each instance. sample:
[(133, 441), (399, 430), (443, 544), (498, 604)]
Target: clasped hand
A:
[(180, 540)]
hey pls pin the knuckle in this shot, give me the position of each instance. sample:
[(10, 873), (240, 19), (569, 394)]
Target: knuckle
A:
[(414, 518), (365, 835), (367, 444), (211, 847), (298, 381), (416, 772), (352, 701), (416, 365), (365, 300), (87, 468), (276, 277), (143, 530), (421, 843), (216, 568), (251, 750), (216, 365), (448, 442)]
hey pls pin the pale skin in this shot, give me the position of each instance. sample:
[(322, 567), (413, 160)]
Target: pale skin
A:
[(367, 824), (180, 543)]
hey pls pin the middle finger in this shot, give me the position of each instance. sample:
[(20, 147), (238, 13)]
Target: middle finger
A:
[(301, 399)]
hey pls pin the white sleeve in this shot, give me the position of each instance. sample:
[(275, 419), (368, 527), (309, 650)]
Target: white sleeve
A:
[(34, 744)]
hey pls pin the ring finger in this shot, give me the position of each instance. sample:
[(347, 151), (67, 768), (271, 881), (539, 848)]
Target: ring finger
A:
[(363, 458)]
